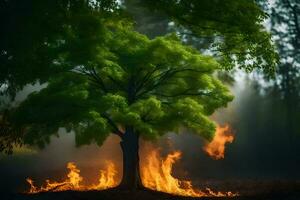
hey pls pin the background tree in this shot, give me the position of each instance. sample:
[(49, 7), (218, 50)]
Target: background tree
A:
[(34, 34), (233, 28), (233, 39), (285, 26), (149, 22), (284, 90)]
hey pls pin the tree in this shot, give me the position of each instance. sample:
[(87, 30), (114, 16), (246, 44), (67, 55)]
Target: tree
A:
[(285, 90), (138, 87), (34, 34), (107, 78), (287, 14), (234, 29)]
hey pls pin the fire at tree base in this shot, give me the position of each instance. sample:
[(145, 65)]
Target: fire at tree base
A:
[(156, 175)]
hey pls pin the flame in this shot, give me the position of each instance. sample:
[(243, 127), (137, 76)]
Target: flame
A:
[(74, 181), (216, 148), (156, 174), (107, 178)]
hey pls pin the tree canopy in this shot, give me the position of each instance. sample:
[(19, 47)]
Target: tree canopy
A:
[(102, 75), (156, 86), (234, 28), (34, 34)]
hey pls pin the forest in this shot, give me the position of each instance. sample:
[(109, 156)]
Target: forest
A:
[(168, 98)]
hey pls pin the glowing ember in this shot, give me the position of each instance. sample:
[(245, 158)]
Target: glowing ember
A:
[(73, 182), (216, 148), (157, 175)]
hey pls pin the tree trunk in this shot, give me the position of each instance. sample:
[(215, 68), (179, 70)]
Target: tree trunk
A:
[(131, 173)]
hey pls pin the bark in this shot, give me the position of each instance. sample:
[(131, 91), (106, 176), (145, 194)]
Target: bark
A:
[(131, 173)]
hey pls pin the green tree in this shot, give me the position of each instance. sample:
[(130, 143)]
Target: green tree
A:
[(34, 34), (103, 77), (233, 27), (137, 87)]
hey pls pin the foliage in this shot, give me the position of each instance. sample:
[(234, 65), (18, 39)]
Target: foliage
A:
[(155, 86), (285, 22), (234, 29), (102, 76), (285, 90), (35, 33)]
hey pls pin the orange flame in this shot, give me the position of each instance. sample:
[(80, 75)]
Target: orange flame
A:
[(73, 182), (216, 148), (157, 175), (107, 178)]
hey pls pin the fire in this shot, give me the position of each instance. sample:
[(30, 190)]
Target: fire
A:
[(107, 178), (156, 174), (216, 148), (74, 181)]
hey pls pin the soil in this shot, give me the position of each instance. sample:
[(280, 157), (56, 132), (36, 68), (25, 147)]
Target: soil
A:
[(248, 190)]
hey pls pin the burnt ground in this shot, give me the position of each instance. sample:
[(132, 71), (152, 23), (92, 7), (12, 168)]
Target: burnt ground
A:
[(248, 191)]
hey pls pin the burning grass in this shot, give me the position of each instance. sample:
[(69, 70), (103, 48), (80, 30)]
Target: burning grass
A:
[(74, 181), (250, 190), (156, 174)]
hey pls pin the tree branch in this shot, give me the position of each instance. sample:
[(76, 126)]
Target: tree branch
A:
[(116, 130), (184, 93), (92, 76), (146, 79), (99, 79), (116, 83), (162, 77)]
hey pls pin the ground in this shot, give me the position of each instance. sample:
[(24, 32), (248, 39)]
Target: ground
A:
[(274, 192)]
